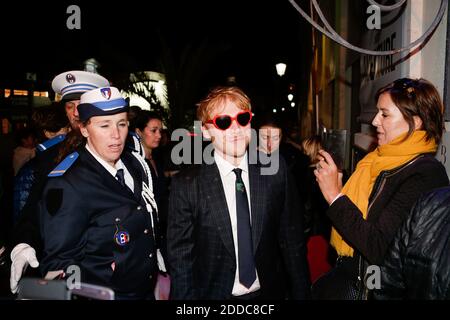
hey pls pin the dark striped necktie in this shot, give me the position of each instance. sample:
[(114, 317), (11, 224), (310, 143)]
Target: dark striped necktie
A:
[(247, 271)]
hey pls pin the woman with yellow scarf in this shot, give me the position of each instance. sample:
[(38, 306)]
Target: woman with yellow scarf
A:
[(367, 212)]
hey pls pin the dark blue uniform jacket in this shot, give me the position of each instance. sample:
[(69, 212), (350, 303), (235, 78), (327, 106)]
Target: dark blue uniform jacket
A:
[(89, 219)]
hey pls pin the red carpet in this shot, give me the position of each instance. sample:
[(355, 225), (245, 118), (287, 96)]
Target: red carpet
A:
[(318, 256)]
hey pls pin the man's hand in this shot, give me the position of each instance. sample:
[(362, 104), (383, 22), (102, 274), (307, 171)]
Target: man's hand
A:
[(21, 256)]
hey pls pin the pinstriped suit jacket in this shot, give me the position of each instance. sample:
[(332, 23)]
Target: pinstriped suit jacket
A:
[(200, 242)]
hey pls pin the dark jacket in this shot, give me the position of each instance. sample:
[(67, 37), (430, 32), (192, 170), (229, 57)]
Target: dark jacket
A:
[(83, 212), (315, 206), (200, 240), (23, 183), (161, 193), (160, 187), (27, 228), (418, 264), (392, 197), (297, 164)]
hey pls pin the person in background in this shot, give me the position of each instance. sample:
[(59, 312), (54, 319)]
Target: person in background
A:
[(417, 265), (368, 211), (149, 127), (269, 134), (272, 142), (26, 149), (49, 122), (273, 139), (319, 255), (132, 114), (315, 204)]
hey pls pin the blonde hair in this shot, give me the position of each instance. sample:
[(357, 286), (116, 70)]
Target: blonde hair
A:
[(311, 147), (218, 97)]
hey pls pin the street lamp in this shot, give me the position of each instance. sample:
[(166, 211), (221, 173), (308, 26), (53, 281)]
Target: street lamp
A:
[(281, 68)]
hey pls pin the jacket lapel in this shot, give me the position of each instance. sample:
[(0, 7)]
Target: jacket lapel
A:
[(105, 177), (110, 181), (215, 199), (257, 196), (136, 173)]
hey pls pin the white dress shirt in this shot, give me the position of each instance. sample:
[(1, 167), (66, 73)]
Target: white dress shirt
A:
[(113, 170), (228, 178)]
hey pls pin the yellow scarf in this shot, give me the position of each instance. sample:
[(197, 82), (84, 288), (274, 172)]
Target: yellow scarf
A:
[(385, 157)]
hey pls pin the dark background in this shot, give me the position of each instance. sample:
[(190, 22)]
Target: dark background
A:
[(197, 44)]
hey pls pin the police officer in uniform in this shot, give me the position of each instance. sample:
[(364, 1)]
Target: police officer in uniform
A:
[(26, 240), (98, 210)]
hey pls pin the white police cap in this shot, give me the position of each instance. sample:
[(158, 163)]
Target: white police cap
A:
[(70, 85), (101, 102)]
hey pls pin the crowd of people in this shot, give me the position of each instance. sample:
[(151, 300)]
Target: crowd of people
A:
[(93, 189)]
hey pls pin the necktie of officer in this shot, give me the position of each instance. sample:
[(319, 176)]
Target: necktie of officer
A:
[(247, 272), (120, 177)]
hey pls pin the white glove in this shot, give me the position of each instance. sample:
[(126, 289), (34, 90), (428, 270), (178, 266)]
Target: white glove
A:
[(21, 256)]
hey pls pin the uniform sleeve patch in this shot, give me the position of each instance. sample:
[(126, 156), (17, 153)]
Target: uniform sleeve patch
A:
[(54, 200)]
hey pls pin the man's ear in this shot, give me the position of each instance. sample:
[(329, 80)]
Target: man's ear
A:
[(47, 134), (139, 132), (417, 123), (205, 133), (84, 131)]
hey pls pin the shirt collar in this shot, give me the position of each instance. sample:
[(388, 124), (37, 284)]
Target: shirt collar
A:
[(107, 166), (225, 168)]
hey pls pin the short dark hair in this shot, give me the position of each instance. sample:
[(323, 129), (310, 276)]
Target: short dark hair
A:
[(23, 134), (49, 118), (417, 97), (143, 117), (133, 111), (267, 119)]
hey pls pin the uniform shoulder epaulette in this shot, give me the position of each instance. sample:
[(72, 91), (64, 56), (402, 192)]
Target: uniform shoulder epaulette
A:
[(51, 142), (62, 167)]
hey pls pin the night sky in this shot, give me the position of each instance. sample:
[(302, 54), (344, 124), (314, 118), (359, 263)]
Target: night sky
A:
[(203, 41)]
